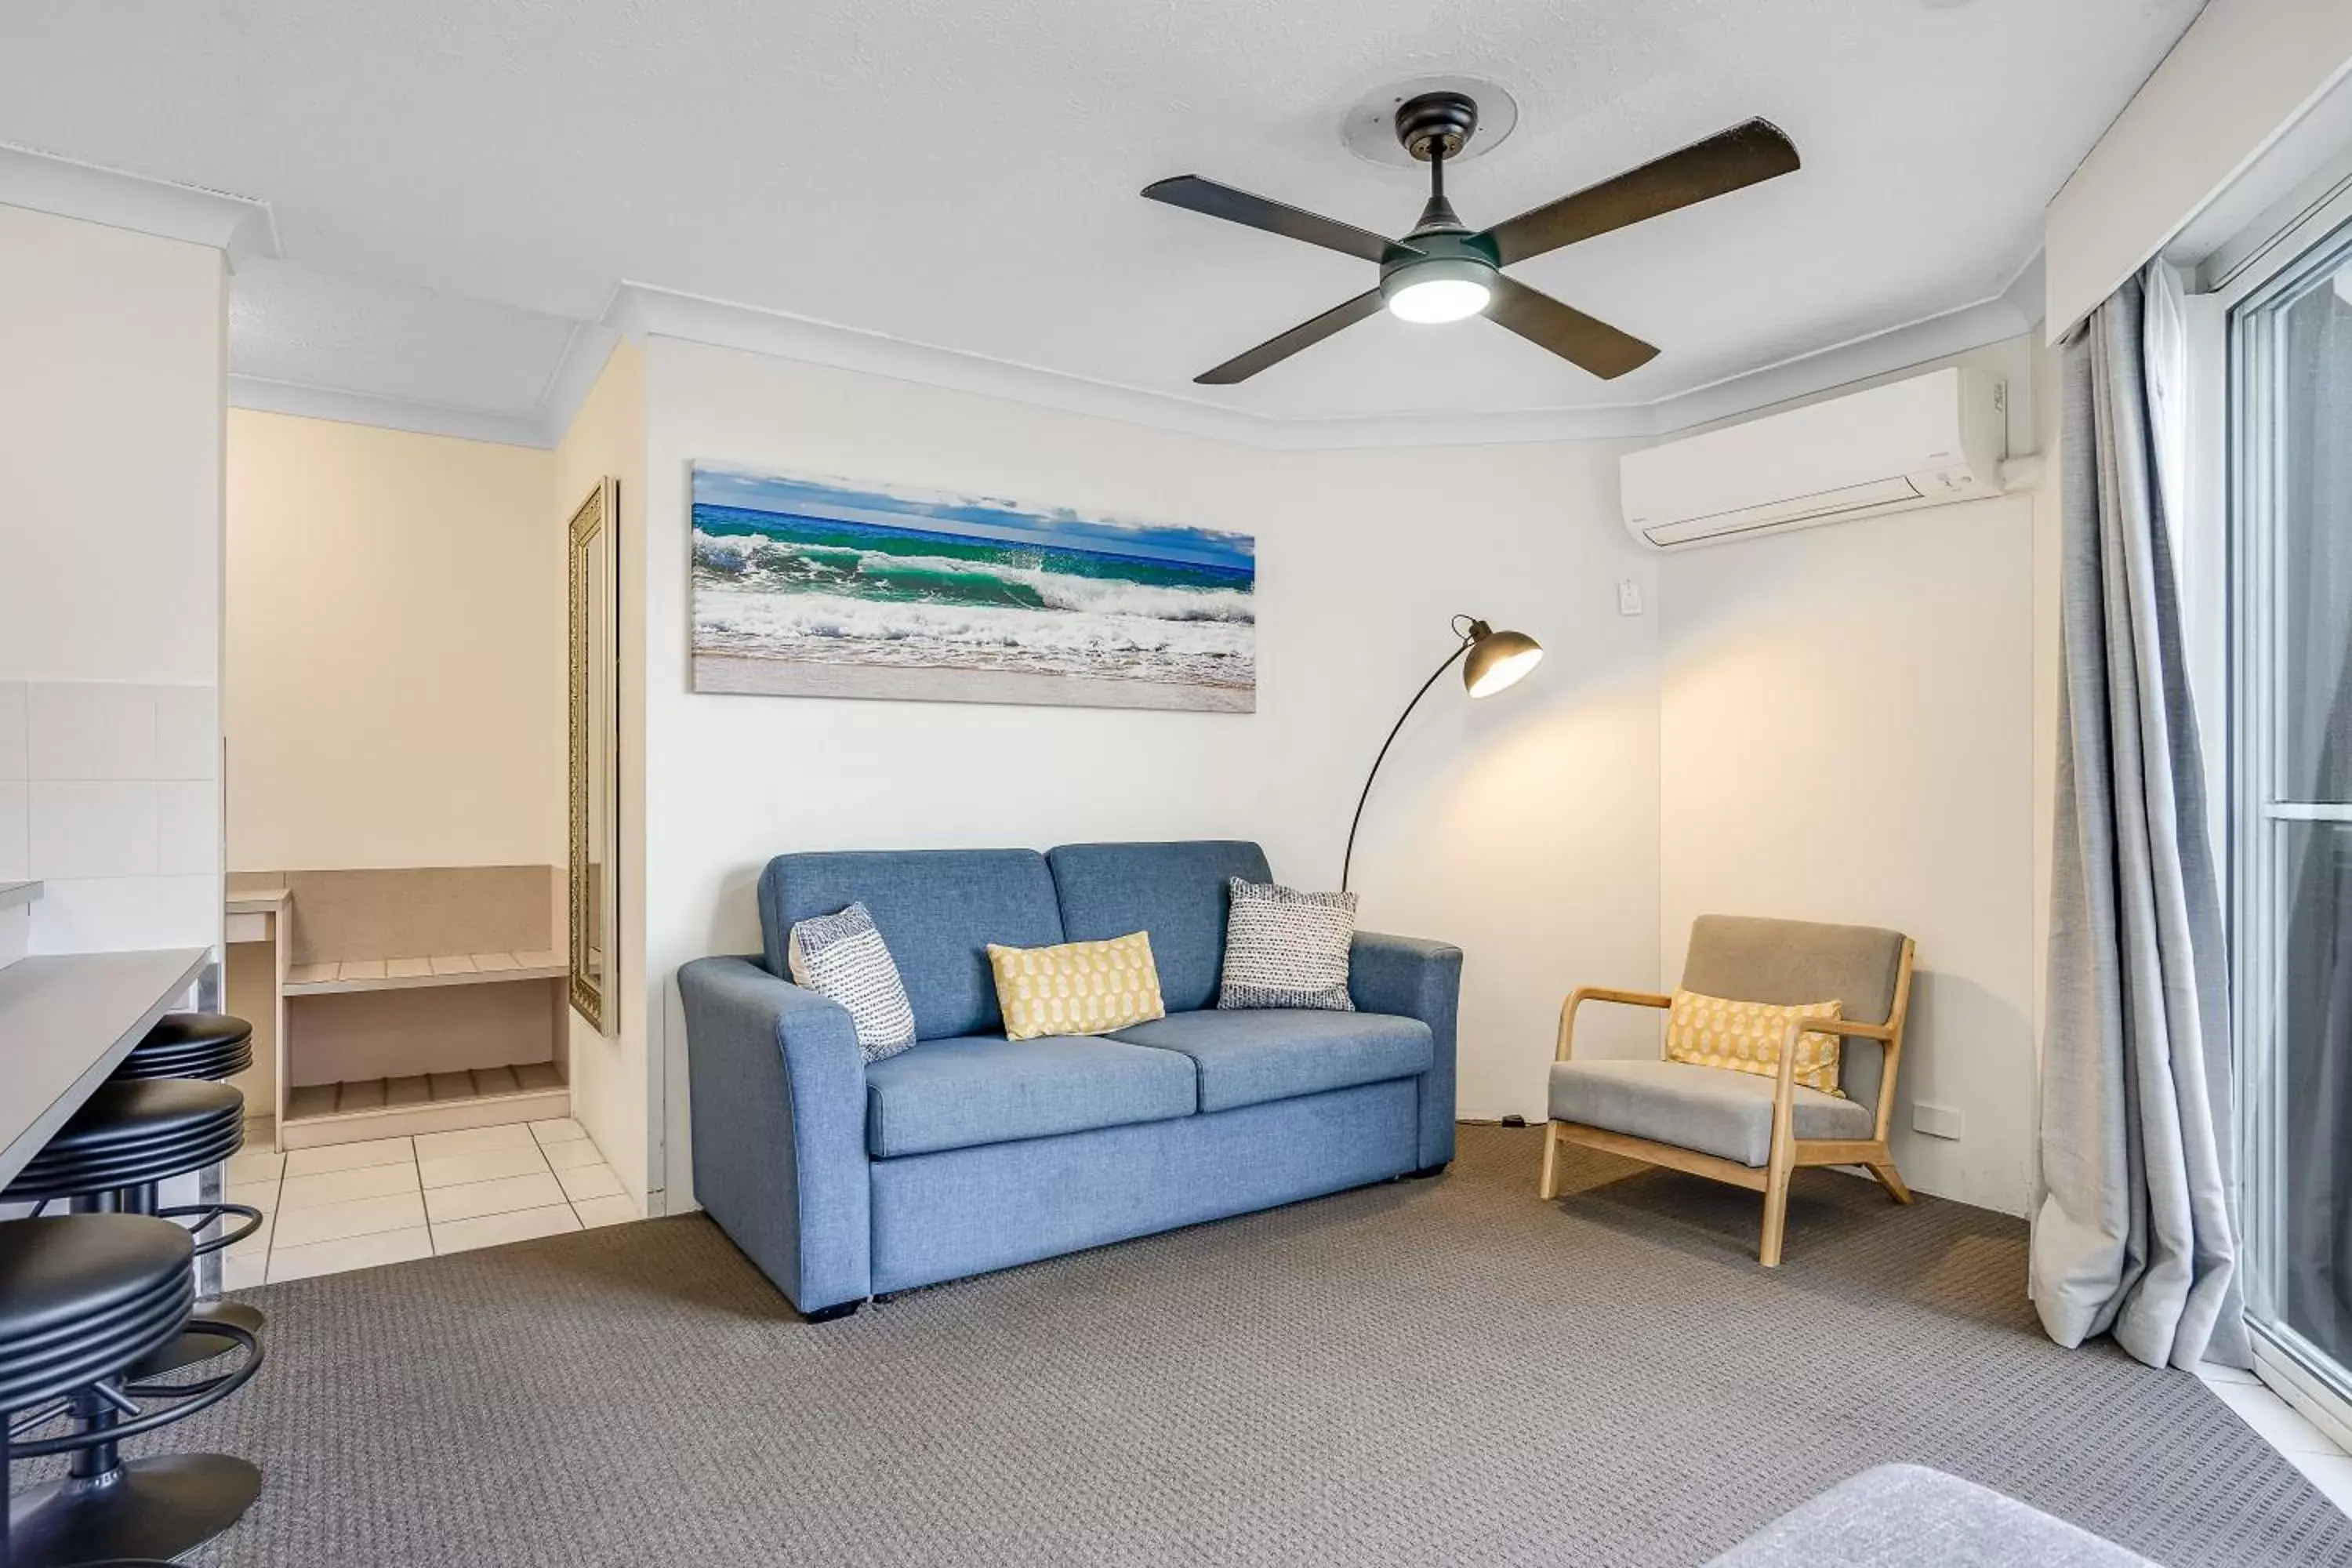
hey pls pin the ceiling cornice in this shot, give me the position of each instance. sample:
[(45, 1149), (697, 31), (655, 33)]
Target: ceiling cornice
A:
[(240, 228), (641, 310), (385, 412)]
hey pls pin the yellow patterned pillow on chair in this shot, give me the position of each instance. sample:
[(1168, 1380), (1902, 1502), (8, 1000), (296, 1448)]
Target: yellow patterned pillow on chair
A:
[(1078, 988), (1745, 1036)]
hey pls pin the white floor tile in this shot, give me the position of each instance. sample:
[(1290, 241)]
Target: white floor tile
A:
[(456, 1170), (257, 1243), (493, 1229), (2271, 1417), (508, 1193), (333, 1222), (571, 1156), (589, 1182), (342, 1186), (563, 1130), (242, 1270), (256, 1165), (2214, 1372), (2331, 1473), (261, 1194), (618, 1209), (473, 1140), (348, 1156), (348, 1252)]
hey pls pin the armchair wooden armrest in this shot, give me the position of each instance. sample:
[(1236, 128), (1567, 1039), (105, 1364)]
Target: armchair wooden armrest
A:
[(1583, 993)]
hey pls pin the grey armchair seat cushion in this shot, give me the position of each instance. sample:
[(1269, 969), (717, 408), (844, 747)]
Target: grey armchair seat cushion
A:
[(1712, 1109), (985, 1088), (1277, 1053), (1906, 1516)]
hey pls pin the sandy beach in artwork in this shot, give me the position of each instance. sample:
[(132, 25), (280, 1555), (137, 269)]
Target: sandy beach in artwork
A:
[(811, 588)]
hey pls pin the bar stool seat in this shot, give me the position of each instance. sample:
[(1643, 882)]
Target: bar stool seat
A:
[(134, 1133), (192, 1045), (83, 1299)]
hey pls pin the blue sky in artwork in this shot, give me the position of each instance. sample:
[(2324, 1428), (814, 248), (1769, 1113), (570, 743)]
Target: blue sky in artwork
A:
[(719, 484)]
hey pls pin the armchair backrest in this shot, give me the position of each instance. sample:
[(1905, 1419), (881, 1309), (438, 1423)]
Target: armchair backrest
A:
[(1790, 962)]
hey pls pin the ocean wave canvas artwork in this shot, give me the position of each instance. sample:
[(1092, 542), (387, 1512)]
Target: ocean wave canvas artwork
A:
[(807, 587)]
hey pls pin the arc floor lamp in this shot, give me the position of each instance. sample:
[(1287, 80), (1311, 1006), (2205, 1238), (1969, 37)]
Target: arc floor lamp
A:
[(1491, 661)]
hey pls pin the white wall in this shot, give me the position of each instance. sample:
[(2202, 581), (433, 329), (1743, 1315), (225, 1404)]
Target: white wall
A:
[(1851, 722), (616, 1089), (112, 400), (394, 691), (1523, 828)]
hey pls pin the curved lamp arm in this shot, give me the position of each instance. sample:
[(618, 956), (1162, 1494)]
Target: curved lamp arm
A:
[(1348, 862)]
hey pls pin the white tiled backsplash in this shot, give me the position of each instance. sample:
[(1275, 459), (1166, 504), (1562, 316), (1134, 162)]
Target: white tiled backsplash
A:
[(110, 795)]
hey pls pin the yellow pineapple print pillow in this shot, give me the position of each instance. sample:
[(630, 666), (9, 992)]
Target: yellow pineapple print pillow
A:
[(1745, 1036), (1077, 988)]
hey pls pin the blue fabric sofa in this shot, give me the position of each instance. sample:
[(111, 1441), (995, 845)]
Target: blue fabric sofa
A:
[(969, 1152)]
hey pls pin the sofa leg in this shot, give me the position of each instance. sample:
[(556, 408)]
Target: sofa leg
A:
[(1548, 1187), (827, 1314), (1428, 1170)]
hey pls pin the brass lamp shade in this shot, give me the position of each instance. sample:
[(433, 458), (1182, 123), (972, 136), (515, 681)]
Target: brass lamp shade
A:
[(1498, 659), (1491, 662)]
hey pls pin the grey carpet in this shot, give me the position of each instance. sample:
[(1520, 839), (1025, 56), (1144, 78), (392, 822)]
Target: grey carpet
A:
[(1429, 1372)]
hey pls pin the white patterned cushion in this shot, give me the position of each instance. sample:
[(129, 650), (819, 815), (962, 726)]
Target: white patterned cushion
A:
[(841, 958), (1287, 949)]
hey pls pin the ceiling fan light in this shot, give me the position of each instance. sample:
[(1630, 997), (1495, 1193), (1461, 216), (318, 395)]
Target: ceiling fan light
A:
[(1442, 289)]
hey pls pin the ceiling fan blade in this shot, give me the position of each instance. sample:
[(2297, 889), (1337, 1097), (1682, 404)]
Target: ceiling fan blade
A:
[(1742, 156), (1276, 218), (1304, 335), (1571, 334)]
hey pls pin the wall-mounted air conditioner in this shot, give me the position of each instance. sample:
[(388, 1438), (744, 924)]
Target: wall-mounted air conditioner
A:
[(1922, 442)]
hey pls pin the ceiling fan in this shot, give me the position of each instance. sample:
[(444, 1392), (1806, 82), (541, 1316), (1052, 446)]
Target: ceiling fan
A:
[(1443, 272)]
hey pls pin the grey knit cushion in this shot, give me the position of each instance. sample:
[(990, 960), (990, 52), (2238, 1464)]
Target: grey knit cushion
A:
[(842, 957), (1287, 949)]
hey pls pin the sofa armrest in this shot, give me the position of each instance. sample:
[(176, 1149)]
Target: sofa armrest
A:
[(777, 1088), (1416, 979)]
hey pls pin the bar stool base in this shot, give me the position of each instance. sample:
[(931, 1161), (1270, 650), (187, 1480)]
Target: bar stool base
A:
[(155, 1508), (197, 1346)]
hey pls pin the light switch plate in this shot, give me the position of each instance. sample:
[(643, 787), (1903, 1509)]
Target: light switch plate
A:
[(1936, 1120), (1629, 597)]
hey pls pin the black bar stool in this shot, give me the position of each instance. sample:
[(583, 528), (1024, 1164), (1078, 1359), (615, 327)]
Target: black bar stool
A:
[(82, 1298), (215, 1046), (130, 1136)]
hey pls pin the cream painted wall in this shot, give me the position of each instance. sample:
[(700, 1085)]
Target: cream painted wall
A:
[(616, 1084), (1852, 728), (112, 389), (1525, 829), (395, 693)]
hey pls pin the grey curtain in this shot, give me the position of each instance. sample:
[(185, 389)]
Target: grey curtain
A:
[(2136, 1234)]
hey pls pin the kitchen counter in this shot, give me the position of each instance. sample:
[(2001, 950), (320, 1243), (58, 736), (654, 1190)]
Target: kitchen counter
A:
[(66, 1021)]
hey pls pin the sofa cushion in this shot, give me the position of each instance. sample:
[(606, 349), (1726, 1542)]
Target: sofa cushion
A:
[(1715, 1111), (1248, 1058), (938, 910), (984, 1089), (1174, 892)]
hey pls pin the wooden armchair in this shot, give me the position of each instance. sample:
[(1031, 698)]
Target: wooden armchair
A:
[(1741, 1127)]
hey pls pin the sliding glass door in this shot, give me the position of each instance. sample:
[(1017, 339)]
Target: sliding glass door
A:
[(2290, 727)]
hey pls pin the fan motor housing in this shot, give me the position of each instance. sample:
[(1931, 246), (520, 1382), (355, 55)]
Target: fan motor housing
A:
[(1424, 245), (1437, 124)]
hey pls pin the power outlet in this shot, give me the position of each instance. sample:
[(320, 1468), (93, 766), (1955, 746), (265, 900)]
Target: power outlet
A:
[(1629, 597), (1936, 1120)]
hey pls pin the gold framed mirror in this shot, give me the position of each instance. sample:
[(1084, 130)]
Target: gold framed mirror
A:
[(593, 882)]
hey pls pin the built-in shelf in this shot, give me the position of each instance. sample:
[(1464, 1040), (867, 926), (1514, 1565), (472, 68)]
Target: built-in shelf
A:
[(399, 974), (320, 1113)]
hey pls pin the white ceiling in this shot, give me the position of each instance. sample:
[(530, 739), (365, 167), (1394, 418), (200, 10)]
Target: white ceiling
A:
[(456, 182)]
